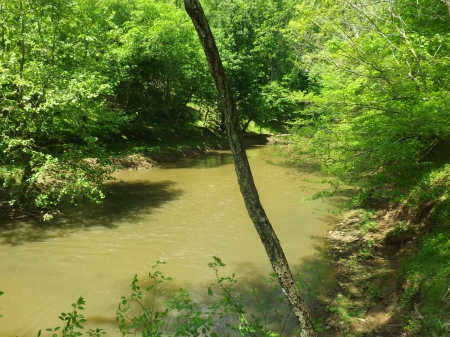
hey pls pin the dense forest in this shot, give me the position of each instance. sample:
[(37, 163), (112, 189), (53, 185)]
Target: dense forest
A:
[(362, 87), (77, 75)]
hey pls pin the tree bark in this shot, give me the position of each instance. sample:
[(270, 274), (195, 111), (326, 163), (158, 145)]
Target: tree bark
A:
[(26, 175), (447, 3), (244, 174)]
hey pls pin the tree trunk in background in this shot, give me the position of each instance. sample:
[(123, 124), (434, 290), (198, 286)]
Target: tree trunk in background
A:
[(244, 174), (25, 181), (244, 129), (447, 3)]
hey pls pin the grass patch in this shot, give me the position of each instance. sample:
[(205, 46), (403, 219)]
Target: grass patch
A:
[(426, 276), (426, 279), (366, 223)]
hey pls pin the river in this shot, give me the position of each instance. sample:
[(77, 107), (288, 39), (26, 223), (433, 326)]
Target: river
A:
[(182, 213)]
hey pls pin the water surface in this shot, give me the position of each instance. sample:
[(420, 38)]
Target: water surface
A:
[(182, 213)]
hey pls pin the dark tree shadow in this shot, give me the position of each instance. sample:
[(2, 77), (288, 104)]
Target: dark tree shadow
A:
[(250, 277), (124, 202), (209, 160)]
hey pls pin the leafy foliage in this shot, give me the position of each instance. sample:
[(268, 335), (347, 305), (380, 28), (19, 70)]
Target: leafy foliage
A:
[(424, 276), (53, 88), (384, 88), (181, 316), (162, 62), (73, 321), (376, 116), (257, 59), (184, 317)]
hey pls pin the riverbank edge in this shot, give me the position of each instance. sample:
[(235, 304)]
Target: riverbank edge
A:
[(150, 157), (368, 253), (144, 156), (143, 160)]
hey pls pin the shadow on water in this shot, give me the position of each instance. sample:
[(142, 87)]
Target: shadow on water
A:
[(209, 160), (317, 283), (124, 202)]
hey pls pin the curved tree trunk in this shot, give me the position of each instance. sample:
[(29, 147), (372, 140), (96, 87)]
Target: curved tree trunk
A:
[(244, 174)]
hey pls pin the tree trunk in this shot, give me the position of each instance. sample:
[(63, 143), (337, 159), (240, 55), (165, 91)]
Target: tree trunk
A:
[(244, 174), (167, 96), (206, 116), (447, 3), (3, 43), (26, 175), (244, 129)]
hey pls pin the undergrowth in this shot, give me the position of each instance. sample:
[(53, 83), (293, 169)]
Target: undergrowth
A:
[(426, 275), (229, 314)]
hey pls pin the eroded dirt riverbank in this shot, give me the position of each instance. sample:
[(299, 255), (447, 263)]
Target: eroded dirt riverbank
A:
[(367, 251)]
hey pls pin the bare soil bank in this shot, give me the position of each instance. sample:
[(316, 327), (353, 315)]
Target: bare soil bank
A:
[(367, 254), (144, 161)]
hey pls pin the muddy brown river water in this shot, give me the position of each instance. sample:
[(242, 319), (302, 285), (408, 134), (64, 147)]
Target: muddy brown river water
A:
[(182, 213)]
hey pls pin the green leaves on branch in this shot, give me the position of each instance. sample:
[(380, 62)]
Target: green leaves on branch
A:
[(53, 89), (384, 88), (183, 317), (164, 68), (73, 323), (257, 59), (143, 313)]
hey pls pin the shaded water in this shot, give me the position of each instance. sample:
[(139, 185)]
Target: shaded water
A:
[(182, 213)]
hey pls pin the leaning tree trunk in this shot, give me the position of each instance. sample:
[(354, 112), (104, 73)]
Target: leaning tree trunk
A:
[(447, 3), (244, 174)]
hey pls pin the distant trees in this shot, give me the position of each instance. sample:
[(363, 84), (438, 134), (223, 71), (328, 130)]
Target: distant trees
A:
[(161, 62), (258, 59), (76, 74)]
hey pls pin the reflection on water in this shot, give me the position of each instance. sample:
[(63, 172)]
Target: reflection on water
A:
[(182, 213), (210, 160), (126, 202)]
